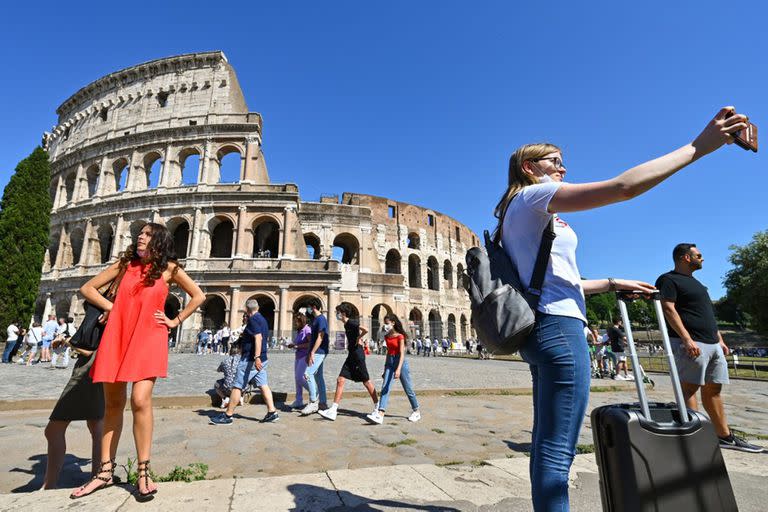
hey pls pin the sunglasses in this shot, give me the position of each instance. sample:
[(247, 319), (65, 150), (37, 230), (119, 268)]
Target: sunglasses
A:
[(556, 161)]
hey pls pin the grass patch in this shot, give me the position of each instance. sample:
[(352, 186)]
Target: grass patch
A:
[(408, 441), (748, 435), (585, 448), (463, 393), (438, 431), (479, 462), (193, 472), (450, 463)]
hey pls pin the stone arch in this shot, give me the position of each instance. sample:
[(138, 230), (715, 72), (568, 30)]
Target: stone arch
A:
[(459, 276), (106, 240), (53, 246), (433, 274), (92, 176), (214, 311), (222, 231), (266, 308), (312, 241), (393, 262), (346, 248), (189, 163), (69, 186), (266, 237), (463, 327), (179, 229), (416, 322), (414, 241), (39, 311), (378, 313), (121, 170), (448, 274), (435, 324), (305, 300), (414, 271), (62, 308), (153, 164), (76, 240), (229, 169), (52, 190), (451, 327)]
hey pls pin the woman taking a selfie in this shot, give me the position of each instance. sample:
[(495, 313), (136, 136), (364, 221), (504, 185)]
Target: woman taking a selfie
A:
[(556, 349), (134, 347)]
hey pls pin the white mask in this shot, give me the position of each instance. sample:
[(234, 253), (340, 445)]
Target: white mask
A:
[(141, 254), (545, 178), (386, 327), (338, 316)]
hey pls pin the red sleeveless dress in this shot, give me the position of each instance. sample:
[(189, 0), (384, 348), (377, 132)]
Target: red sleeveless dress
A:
[(134, 346)]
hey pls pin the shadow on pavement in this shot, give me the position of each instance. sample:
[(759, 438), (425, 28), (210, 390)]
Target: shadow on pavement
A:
[(74, 473), (311, 497), (518, 447)]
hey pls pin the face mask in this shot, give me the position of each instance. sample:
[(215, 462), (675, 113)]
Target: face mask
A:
[(545, 179), (141, 254), (386, 327), (338, 316)]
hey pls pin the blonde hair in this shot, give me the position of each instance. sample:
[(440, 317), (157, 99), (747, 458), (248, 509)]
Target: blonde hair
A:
[(518, 179)]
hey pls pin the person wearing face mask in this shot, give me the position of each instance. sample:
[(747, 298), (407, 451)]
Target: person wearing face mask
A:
[(395, 367), (318, 350), (556, 350), (354, 367)]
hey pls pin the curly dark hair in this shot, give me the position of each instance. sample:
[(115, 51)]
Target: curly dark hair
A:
[(398, 325), (160, 252)]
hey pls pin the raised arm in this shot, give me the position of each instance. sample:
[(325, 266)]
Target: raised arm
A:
[(572, 197)]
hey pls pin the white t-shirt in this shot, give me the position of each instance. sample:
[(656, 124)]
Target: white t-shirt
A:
[(524, 223), (13, 333)]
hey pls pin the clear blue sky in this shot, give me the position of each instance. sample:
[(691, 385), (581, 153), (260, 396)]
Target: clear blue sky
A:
[(424, 101)]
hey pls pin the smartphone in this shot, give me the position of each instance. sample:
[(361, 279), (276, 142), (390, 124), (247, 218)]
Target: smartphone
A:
[(746, 138)]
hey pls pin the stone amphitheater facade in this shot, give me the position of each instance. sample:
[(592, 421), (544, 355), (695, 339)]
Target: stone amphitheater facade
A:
[(151, 143)]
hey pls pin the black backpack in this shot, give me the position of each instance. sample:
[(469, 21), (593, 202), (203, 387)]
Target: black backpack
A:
[(503, 311)]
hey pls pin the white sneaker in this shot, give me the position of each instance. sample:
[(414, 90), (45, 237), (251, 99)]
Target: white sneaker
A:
[(225, 403), (311, 408), (329, 414), (297, 404), (415, 416), (375, 417)]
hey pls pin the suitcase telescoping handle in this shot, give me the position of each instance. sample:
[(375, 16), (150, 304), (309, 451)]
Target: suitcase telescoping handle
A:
[(625, 297)]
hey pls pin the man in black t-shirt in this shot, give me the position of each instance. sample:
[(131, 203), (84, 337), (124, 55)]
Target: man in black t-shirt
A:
[(354, 367), (697, 345), (618, 339)]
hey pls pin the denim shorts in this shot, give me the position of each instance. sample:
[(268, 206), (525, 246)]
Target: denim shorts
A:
[(247, 372)]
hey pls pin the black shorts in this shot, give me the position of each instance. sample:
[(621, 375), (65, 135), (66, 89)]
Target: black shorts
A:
[(354, 368)]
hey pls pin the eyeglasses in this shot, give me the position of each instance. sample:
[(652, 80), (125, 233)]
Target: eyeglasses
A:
[(697, 256), (556, 161)]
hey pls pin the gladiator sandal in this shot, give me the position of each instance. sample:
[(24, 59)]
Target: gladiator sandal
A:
[(108, 480), (143, 472)]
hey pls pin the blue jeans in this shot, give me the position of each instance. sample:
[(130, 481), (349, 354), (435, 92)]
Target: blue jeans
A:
[(8, 349), (315, 380), (390, 365), (557, 353)]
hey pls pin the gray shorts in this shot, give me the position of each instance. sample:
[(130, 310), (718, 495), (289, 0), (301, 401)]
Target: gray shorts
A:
[(710, 367)]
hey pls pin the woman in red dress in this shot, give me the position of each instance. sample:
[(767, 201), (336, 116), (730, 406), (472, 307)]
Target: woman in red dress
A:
[(134, 347)]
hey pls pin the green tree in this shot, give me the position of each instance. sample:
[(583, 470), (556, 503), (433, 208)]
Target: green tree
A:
[(24, 215), (601, 307), (747, 281)]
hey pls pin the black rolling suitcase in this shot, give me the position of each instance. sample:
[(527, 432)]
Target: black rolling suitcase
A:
[(658, 457)]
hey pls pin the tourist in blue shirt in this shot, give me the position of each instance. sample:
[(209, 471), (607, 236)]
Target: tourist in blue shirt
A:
[(252, 366), (317, 353)]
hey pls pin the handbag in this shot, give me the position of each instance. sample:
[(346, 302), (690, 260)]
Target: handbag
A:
[(88, 336)]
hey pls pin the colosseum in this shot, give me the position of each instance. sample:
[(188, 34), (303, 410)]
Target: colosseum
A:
[(172, 141)]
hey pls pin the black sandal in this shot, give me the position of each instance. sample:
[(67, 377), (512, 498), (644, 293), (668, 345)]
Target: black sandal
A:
[(143, 472), (108, 481)]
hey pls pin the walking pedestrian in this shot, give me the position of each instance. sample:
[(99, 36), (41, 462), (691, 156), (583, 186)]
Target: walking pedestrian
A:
[(12, 336), (315, 381), (301, 346), (50, 328)]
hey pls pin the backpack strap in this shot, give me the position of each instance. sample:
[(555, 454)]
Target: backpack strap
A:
[(540, 267)]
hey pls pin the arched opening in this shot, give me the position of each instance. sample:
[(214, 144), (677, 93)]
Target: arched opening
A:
[(463, 327), (221, 239), (189, 160), (378, 313), (76, 238), (62, 308), (92, 176), (214, 311), (121, 170), (153, 164), (433, 274), (451, 328), (69, 185), (414, 271), (305, 301), (267, 310), (53, 249), (172, 308), (179, 229), (448, 274), (346, 249), (435, 324), (459, 276), (393, 264), (414, 242), (266, 235), (230, 164), (39, 313), (106, 240), (313, 246), (416, 322)]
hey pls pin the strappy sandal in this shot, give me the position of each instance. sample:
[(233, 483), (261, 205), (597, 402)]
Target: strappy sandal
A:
[(108, 481), (143, 472)]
